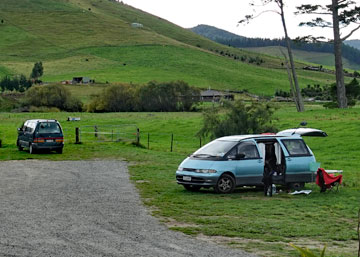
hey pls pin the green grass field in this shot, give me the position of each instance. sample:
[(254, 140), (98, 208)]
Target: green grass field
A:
[(244, 219)]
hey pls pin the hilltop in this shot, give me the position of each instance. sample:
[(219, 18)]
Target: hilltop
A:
[(354, 43), (95, 38)]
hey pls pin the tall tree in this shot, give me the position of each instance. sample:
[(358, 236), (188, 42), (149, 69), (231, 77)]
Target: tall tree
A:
[(345, 14), (280, 11), (37, 71)]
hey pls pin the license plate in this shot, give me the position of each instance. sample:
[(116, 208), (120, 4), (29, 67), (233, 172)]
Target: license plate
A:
[(186, 178), (49, 140)]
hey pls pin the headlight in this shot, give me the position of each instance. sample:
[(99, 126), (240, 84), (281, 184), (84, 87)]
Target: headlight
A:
[(205, 171), (180, 168)]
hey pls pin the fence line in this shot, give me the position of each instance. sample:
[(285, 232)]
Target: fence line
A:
[(130, 133)]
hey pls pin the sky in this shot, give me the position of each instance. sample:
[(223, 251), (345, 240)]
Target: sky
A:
[(225, 14)]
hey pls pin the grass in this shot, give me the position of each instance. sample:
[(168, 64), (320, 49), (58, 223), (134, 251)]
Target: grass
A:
[(325, 59), (71, 40), (244, 219)]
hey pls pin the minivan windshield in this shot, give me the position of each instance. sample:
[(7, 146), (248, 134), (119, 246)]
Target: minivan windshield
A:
[(49, 127), (217, 148)]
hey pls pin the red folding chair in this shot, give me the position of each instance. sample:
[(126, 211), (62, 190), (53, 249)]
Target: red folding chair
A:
[(327, 181)]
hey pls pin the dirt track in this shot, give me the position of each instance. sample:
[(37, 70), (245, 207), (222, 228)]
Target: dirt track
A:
[(83, 208)]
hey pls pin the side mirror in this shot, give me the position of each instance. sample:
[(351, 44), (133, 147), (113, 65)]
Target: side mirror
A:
[(240, 156), (19, 129)]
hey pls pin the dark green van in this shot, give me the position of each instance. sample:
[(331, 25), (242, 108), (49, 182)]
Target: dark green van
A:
[(40, 134)]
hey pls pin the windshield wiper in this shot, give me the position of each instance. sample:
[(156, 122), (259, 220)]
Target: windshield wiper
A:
[(204, 155)]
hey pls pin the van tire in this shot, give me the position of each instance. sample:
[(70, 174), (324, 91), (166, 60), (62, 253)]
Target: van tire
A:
[(60, 150), (31, 149), (225, 184), (19, 146), (192, 188)]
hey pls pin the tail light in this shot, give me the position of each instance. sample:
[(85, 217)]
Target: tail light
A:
[(59, 140), (39, 140)]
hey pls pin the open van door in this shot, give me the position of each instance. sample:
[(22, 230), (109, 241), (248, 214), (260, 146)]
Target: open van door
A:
[(310, 132)]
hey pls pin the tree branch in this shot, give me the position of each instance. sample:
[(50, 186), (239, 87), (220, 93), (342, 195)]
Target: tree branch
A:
[(351, 32), (251, 17)]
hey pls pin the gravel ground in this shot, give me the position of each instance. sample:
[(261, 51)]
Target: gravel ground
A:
[(83, 208)]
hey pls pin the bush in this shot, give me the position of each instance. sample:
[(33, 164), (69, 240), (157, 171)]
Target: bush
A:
[(116, 98), (52, 96), (152, 97), (238, 119), (167, 97)]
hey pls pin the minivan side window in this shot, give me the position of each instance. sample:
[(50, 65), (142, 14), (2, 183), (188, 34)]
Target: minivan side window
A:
[(296, 147), (248, 149), (28, 128)]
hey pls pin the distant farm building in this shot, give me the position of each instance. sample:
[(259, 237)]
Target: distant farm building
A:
[(214, 96), (82, 80), (137, 25)]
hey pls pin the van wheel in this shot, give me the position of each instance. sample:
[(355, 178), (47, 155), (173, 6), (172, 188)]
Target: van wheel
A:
[(225, 184), (59, 150), (19, 146), (31, 149), (192, 188), (296, 186)]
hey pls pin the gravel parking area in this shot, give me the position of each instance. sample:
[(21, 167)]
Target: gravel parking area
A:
[(83, 208)]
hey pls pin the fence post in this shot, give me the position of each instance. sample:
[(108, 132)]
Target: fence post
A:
[(138, 136), (112, 135), (77, 136), (148, 140), (200, 141), (172, 140), (96, 130)]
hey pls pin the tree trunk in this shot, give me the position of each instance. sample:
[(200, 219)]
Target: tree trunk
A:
[(300, 104), (292, 89), (340, 84)]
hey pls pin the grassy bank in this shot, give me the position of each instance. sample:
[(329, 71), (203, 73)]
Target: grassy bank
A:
[(243, 219)]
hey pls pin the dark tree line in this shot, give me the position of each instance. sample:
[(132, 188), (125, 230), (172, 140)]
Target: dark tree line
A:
[(17, 83)]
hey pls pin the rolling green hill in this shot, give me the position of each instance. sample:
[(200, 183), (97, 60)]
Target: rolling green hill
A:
[(95, 38), (325, 59), (321, 54)]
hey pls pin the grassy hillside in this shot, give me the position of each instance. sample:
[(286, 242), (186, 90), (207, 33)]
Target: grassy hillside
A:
[(94, 38)]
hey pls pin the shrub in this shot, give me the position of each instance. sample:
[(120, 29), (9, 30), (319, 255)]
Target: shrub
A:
[(152, 97), (235, 118), (167, 97), (52, 96), (116, 98)]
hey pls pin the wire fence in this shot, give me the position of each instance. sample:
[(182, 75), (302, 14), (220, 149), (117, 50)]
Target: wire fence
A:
[(131, 133)]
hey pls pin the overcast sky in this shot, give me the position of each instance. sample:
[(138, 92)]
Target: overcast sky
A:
[(225, 14)]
